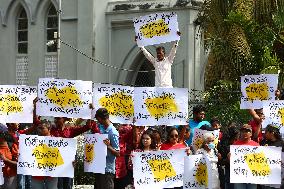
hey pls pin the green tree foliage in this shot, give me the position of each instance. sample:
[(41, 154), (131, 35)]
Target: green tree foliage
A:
[(243, 37)]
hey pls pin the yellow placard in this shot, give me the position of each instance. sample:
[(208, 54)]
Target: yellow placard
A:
[(157, 28), (65, 97), (10, 103)]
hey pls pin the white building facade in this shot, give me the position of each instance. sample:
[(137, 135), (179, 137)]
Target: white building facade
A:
[(103, 31)]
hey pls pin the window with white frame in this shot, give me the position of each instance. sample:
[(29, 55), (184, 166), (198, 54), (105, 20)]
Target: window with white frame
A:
[(22, 32), (22, 60), (51, 28)]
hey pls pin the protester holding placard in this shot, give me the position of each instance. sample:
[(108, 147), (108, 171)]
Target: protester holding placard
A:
[(197, 121), (245, 139), (245, 136), (61, 130), (106, 181), (42, 182), (10, 168), (272, 138), (209, 150), (162, 64), (13, 129)]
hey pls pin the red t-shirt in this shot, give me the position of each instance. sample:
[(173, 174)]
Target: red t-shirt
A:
[(250, 143), (8, 170), (254, 126), (168, 146)]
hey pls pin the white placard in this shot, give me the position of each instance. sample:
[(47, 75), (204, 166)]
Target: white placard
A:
[(160, 106), (118, 100), (197, 172), (64, 98), (156, 28), (95, 152), (158, 169), (16, 103), (257, 88), (255, 164), (274, 114), (46, 156)]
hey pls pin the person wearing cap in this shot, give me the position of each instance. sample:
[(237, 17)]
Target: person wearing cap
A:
[(106, 181), (272, 138), (245, 136), (245, 139)]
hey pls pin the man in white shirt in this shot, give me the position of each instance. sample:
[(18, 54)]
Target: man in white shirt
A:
[(162, 64)]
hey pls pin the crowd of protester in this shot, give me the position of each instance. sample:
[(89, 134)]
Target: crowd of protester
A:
[(123, 140)]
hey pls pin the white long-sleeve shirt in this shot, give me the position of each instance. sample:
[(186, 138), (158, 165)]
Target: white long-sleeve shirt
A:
[(163, 72)]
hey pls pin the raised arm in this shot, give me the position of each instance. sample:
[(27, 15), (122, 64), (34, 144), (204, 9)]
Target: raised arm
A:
[(77, 130), (36, 120), (173, 51), (148, 55)]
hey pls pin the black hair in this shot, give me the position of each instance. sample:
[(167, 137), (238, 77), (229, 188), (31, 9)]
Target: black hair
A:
[(7, 137), (214, 119), (198, 109), (181, 127), (233, 133), (207, 128), (169, 133), (273, 129), (102, 113), (258, 111), (153, 145), (160, 48)]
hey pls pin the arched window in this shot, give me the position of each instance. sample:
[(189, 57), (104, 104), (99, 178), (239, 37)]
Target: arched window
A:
[(22, 32), (146, 75), (51, 28)]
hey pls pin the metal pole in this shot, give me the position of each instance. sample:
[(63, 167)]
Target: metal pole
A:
[(58, 36)]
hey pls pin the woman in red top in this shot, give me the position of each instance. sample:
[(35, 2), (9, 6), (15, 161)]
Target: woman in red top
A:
[(172, 140), (10, 168), (147, 143)]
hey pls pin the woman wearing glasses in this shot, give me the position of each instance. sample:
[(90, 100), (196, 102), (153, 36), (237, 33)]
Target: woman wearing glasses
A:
[(172, 141)]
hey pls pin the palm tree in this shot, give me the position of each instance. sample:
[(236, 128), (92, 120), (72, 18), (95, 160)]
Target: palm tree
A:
[(243, 36)]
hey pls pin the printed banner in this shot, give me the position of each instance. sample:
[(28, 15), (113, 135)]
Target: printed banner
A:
[(197, 172), (16, 103), (46, 156), (255, 164), (64, 98), (274, 114), (158, 169), (257, 88), (95, 153), (198, 135), (156, 28), (118, 100), (160, 106)]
